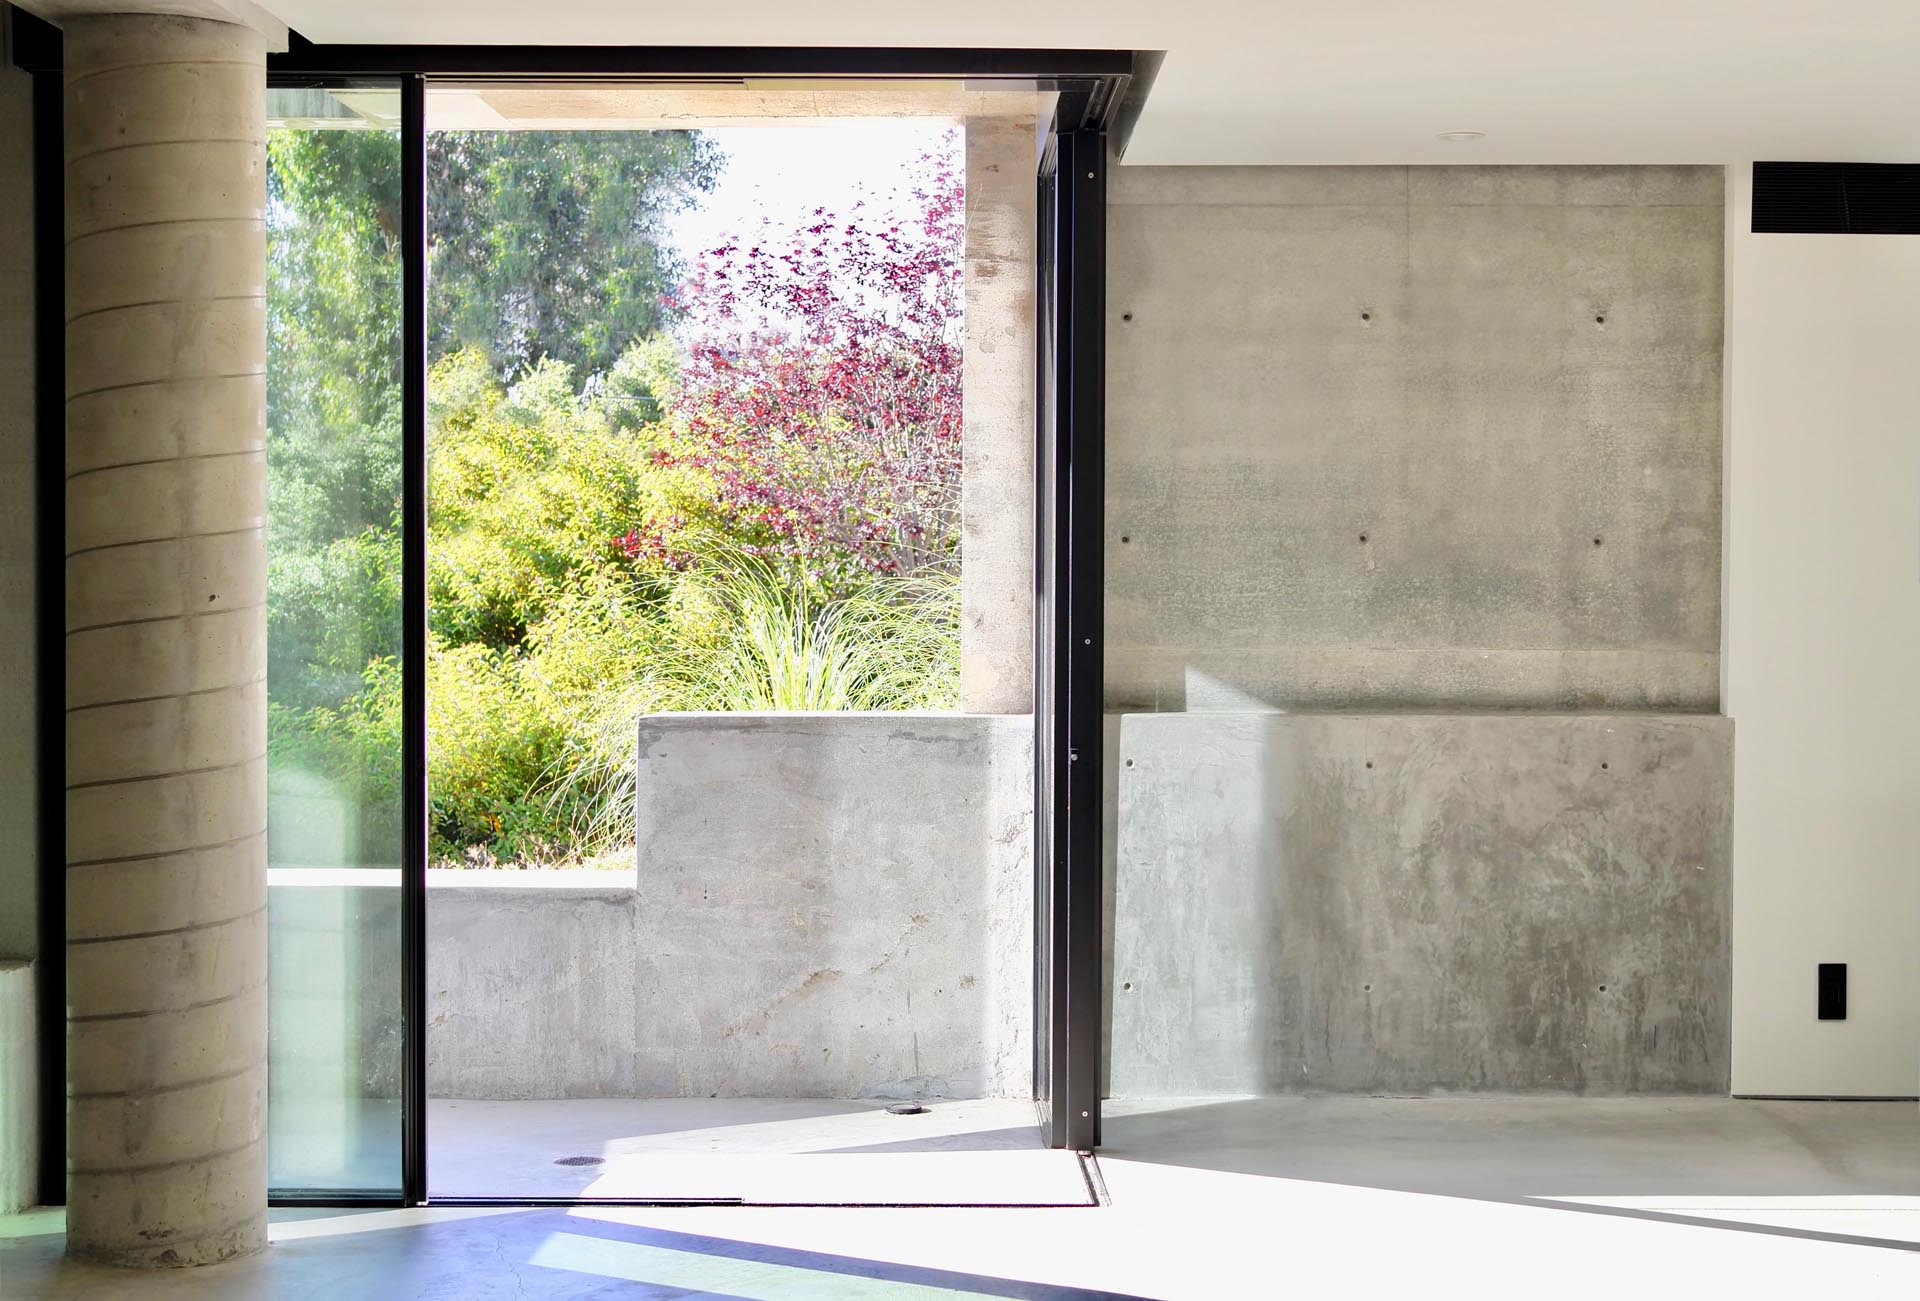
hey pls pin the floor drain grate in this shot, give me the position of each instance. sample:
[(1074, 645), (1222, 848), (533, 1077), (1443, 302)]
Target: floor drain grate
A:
[(581, 1160)]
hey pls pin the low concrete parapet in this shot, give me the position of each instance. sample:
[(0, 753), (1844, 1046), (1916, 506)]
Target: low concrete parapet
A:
[(827, 905), (835, 905), (840, 905)]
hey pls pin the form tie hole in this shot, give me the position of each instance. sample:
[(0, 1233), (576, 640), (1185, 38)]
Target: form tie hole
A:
[(1599, 320), (1127, 987), (1125, 538), (1603, 989), (1596, 542), (1366, 316), (1363, 539), (1603, 765), (1369, 763), (1126, 316), (1129, 763)]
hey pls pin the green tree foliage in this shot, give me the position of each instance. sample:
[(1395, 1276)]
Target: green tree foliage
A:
[(555, 406), (537, 233), (549, 638), (546, 244), (333, 410)]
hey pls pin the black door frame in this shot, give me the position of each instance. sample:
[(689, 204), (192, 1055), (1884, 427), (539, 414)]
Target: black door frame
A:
[(1092, 85), (37, 49), (1069, 544)]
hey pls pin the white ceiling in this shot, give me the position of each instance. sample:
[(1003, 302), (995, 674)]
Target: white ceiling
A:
[(1342, 81)]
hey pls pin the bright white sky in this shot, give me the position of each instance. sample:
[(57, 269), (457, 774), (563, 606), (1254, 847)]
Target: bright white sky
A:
[(782, 173)]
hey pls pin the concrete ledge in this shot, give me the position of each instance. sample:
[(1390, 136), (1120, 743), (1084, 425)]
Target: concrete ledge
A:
[(19, 1089), (1421, 903)]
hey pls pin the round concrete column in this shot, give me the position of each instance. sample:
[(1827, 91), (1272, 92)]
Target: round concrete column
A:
[(166, 639)]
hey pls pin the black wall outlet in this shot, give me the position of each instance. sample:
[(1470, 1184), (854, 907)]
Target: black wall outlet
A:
[(1833, 991)]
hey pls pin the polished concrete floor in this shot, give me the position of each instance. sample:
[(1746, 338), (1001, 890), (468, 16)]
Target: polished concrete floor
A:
[(1294, 1197)]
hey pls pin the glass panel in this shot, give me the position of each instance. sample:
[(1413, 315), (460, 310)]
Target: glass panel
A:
[(333, 641)]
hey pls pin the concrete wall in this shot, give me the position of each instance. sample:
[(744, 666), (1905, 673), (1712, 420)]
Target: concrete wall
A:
[(1428, 443), (19, 826), (19, 793), (1392, 437), (530, 985), (1822, 674), (996, 486), (834, 905), (1413, 904)]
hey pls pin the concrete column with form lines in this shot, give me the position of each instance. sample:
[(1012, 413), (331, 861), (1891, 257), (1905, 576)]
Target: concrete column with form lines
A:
[(166, 638)]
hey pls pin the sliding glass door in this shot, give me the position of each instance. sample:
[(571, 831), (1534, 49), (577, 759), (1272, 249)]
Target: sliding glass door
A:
[(334, 457), (550, 372)]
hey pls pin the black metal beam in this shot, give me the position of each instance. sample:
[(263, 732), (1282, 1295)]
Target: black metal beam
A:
[(413, 638), (33, 44)]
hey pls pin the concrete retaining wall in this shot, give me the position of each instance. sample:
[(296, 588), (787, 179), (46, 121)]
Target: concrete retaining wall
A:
[(834, 905), (1413, 904)]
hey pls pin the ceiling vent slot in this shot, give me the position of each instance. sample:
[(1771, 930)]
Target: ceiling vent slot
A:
[(1836, 198)]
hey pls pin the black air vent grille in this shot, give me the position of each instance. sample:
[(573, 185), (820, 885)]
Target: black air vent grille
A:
[(1836, 198)]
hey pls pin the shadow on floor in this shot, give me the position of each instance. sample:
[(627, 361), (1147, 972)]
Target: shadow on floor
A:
[(1018, 1139)]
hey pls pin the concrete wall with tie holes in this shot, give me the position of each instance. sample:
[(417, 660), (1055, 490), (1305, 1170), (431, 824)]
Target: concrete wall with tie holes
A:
[(1433, 454)]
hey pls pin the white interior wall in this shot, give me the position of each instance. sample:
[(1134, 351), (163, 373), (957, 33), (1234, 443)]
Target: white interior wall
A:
[(1822, 654)]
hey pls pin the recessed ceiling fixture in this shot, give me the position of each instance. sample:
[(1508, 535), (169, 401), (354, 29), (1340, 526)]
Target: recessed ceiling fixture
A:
[(1461, 137)]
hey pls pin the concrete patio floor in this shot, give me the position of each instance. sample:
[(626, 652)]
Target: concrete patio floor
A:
[(1214, 1198), (760, 1151)]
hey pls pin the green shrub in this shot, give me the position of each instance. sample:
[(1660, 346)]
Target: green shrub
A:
[(742, 633), (550, 634)]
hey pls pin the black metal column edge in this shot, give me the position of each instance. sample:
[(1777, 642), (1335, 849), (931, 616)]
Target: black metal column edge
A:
[(1083, 187), (1047, 675), (413, 639), (1087, 613), (50, 612)]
